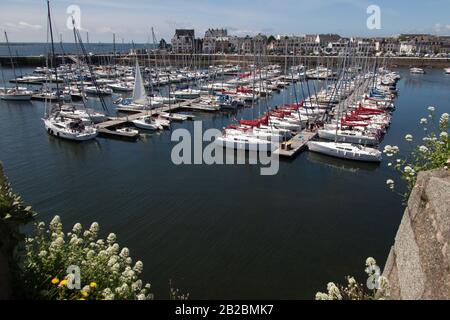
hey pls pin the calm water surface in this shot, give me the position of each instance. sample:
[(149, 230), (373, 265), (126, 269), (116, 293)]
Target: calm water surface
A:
[(220, 231)]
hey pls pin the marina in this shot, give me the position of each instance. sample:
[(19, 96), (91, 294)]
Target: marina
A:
[(232, 167), (193, 195)]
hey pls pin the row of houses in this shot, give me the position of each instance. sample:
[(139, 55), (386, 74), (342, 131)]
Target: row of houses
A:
[(219, 41)]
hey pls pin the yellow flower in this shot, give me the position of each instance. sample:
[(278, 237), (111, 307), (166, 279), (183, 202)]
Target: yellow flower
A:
[(84, 294), (55, 280), (63, 283), (82, 299), (93, 285)]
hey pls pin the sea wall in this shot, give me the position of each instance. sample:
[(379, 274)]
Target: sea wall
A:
[(205, 60), (418, 266)]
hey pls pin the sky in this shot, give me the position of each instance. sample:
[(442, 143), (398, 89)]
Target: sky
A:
[(132, 20)]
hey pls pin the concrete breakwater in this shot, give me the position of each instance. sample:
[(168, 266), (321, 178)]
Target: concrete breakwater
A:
[(205, 60)]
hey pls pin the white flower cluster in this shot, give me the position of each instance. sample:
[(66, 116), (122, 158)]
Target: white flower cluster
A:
[(354, 291), (333, 293), (107, 271), (391, 150), (444, 119)]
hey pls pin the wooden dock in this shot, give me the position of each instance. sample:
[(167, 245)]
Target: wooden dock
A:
[(106, 128), (292, 147)]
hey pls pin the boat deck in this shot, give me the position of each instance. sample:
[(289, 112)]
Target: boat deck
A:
[(292, 147), (104, 132)]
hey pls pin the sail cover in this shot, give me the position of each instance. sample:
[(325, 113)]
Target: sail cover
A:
[(139, 95)]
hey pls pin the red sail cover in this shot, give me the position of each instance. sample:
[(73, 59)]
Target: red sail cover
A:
[(251, 123), (353, 124), (243, 90)]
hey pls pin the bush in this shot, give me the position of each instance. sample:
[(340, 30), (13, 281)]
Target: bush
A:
[(432, 153), (13, 214), (106, 271), (378, 287)]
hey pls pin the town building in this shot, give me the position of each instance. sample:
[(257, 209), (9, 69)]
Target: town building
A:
[(216, 40), (183, 41)]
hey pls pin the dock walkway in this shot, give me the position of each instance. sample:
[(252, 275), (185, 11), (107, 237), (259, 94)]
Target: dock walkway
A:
[(114, 122), (292, 147)]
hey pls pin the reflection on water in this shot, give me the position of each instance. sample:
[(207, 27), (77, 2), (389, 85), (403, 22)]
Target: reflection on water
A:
[(341, 164)]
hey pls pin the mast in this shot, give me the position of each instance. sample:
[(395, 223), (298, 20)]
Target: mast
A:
[(3, 77), (114, 55), (12, 61), (53, 54)]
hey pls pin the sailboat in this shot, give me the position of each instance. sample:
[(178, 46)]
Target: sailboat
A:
[(17, 93), (140, 99), (58, 125), (346, 151)]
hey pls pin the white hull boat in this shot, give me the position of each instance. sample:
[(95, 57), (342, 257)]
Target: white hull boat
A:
[(69, 129), (416, 71), (147, 123), (174, 116), (346, 151), (187, 94), (95, 117), (244, 142), (122, 87), (348, 136), (15, 95), (94, 91)]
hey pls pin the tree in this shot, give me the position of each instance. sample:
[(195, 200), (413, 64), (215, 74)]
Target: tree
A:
[(162, 44)]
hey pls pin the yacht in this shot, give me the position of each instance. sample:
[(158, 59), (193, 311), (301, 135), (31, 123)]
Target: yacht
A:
[(122, 86), (416, 71), (96, 91), (447, 70), (174, 116), (147, 123), (349, 136), (70, 129), (187, 94), (346, 151), (15, 94), (242, 141), (69, 111)]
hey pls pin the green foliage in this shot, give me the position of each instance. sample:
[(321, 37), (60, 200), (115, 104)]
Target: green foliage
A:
[(378, 287), (13, 214), (432, 153), (106, 271)]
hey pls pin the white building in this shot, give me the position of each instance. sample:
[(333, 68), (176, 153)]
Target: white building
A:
[(183, 41), (216, 40)]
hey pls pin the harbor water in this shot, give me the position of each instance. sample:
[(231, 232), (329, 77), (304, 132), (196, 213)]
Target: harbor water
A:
[(220, 232)]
